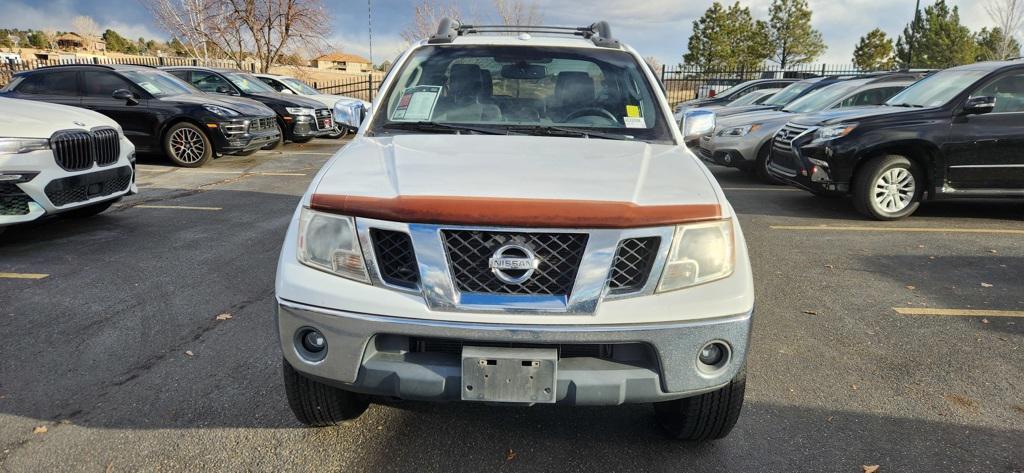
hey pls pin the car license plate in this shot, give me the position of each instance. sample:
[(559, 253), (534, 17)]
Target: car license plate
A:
[(521, 375), (327, 123)]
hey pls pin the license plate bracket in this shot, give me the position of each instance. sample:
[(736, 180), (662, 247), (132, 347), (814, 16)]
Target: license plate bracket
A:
[(515, 375)]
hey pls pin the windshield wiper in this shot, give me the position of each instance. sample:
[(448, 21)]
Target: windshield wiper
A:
[(574, 132), (445, 127), (907, 105)]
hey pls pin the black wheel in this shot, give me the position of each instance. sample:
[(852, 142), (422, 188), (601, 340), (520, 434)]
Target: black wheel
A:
[(761, 166), (342, 132), (89, 210), (888, 188), (319, 405), (709, 416), (187, 145)]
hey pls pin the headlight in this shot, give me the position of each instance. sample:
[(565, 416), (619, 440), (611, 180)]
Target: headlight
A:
[(221, 111), (739, 130), (700, 253), (300, 111), (22, 145), (329, 243), (834, 131)]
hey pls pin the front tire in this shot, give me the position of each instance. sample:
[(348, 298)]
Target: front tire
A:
[(319, 405), (187, 145), (761, 166), (709, 416), (888, 188)]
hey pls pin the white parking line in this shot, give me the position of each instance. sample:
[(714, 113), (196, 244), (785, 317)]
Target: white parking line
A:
[(176, 207), (23, 276), (958, 312), (234, 173), (841, 228), (771, 189)]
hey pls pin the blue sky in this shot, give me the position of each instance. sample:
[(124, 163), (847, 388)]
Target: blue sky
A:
[(657, 28)]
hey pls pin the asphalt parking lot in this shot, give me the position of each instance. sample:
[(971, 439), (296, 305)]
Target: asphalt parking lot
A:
[(897, 344)]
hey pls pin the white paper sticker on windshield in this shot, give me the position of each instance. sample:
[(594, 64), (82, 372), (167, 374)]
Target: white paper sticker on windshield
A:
[(634, 122), (417, 103), (150, 88)]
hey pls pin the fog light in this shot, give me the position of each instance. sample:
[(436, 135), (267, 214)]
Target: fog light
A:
[(712, 354), (727, 158), (314, 341)]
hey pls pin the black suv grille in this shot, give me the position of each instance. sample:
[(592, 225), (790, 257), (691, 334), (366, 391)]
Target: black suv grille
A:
[(469, 252), (13, 201), (83, 187), (261, 124), (79, 150), (632, 264), (782, 147), (396, 259)]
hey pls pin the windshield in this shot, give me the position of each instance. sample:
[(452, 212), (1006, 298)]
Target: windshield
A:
[(300, 86), (787, 95), (248, 83), (936, 89), (752, 98), (516, 89), (159, 84), (821, 99)]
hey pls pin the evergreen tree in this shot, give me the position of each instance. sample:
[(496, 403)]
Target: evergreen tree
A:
[(727, 38), (938, 41), (793, 40), (990, 42), (874, 52)]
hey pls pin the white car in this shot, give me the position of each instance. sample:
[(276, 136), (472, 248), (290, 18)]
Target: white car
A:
[(348, 111), (56, 159), (517, 222)]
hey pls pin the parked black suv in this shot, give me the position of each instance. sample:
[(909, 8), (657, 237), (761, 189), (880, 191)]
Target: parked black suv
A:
[(956, 133), (156, 110), (300, 118)]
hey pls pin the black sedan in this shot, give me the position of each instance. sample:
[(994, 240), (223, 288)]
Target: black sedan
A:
[(156, 110), (300, 118)]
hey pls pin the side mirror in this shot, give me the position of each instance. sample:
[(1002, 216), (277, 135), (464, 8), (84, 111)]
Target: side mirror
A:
[(979, 105), (126, 95), (223, 89), (697, 123)]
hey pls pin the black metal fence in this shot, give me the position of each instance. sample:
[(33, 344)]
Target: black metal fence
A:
[(689, 82), (10, 67), (364, 88)]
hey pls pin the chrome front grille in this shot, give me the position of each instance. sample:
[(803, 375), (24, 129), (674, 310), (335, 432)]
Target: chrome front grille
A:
[(784, 138), (469, 253), (79, 150), (324, 119), (632, 264), (261, 124)]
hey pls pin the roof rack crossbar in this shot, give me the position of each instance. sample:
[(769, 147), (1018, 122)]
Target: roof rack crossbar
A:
[(599, 32)]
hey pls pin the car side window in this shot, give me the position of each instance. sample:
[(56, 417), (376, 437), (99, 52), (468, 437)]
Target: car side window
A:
[(102, 84), (208, 81), (273, 83), (870, 97), (1008, 91), (183, 75), (50, 83)]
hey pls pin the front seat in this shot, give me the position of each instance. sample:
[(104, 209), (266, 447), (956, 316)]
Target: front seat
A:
[(462, 102), (574, 91)]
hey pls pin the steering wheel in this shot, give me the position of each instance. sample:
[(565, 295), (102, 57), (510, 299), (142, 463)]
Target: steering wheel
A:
[(592, 112)]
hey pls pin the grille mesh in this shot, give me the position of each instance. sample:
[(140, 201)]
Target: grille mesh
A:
[(79, 150), (559, 254), (12, 200), (261, 124), (632, 264), (395, 258), (61, 193)]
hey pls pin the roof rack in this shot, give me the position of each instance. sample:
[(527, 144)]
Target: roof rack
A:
[(600, 32)]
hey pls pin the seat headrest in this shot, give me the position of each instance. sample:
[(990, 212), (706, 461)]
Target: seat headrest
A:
[(487, 90), (464, 81), (574, 86)]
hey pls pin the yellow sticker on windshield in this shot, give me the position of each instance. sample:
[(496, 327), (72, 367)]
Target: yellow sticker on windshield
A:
[(632, 111)]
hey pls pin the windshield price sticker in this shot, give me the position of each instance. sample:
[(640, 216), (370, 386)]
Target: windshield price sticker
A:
[(417, 103), (149, 88), (633, 118)]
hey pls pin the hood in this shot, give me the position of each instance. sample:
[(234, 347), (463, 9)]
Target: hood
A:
[(518, 167), (32, 119), (730, 111), (331, 100), (241, 105), (763, 116), (286, 100), (830, 117)]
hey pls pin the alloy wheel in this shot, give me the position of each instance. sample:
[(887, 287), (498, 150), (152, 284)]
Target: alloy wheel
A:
[(187, 145), (894, 190)]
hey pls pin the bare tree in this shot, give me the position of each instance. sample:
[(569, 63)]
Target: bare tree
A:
[(1009, 17), (86, 27), (186, 20), (426, 16), (653, 63), (50, 34), (269, 26), (518, 12)]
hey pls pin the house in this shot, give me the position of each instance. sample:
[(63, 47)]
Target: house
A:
[(73, 41), (343, 62)]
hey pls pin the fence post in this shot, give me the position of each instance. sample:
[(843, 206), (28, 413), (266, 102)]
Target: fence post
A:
[(369, 85), (822, 69)]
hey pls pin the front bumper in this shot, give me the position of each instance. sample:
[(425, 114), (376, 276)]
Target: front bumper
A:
[(365, 354), (238, 136), (806, 167), (304, 126)]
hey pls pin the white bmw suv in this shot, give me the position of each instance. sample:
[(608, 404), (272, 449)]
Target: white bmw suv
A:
[(517, 221), (56, 159)]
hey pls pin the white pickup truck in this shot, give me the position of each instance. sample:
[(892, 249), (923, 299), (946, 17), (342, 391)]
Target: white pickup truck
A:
[(517, 221)]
